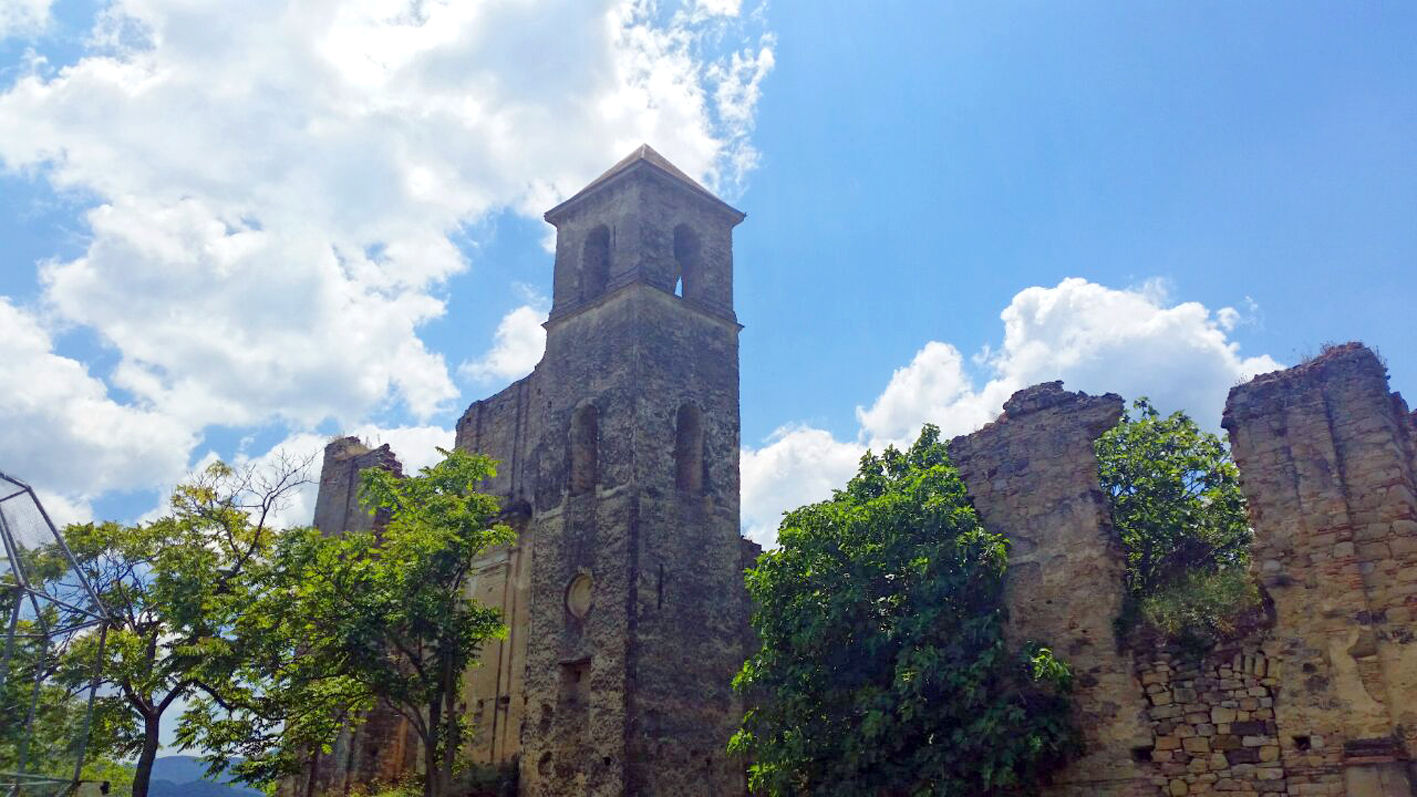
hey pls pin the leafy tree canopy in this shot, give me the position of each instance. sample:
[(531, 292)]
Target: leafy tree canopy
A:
[(173, 589), (883, 668), (349, 622), (1177, 505)]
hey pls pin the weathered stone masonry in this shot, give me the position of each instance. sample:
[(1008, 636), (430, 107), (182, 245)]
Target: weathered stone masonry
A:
[(1326, 455), (383, 746), (619, 467), (1032, 475), (1321, 702), (627, 615)]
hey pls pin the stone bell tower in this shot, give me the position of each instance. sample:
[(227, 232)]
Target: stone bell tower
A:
[(622, 450)]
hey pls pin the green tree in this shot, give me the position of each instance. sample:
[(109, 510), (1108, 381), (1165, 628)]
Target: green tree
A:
[(1178, 508), (349, 622), (174, 589), (883, 668)]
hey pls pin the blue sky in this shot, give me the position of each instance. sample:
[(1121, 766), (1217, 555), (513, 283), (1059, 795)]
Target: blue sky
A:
[(226, 231)]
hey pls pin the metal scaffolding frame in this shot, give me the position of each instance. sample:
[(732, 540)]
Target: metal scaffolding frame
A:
[(41, 616)]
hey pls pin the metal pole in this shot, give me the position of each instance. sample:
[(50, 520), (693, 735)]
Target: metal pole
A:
[(88, 713), (63, 546), (10, 637), (34, 702), (20, 591)]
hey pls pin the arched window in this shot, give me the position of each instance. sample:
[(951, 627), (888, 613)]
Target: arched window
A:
[(585, 444), (689, 449), (688, 259), (595, 263)]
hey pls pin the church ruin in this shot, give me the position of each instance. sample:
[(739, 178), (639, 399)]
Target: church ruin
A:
[(624, 594), (619, 469)]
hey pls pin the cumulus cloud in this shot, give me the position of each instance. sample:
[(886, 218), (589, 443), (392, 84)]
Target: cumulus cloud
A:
[(516, 349), (1097, 339), (58, 425), (796, 465), (23, 17), (275, 184)]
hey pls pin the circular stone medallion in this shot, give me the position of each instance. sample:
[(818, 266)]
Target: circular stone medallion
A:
[(578, 596)]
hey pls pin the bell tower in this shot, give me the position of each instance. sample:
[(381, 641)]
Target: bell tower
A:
[(637, 609)]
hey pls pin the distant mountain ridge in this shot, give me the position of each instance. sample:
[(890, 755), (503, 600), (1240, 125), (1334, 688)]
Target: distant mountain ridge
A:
[(184, 776)]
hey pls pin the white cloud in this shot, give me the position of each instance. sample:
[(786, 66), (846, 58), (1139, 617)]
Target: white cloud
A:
[(275, 183), (797, 465), (722, 8), (58, 427), (23, 17), (233, 325), (1094, 338), (516, 349)]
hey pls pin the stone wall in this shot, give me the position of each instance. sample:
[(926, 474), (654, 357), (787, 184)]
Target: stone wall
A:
[(1326, 457), (1032, 475), (1322, 701), (337, 507), (1212, 722)]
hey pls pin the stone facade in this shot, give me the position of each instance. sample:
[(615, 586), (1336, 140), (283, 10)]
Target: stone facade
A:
[(619, 467), (383, 746), (624, 596)]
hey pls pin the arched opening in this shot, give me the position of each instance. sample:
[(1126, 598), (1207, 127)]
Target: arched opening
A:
[(585, 454), (595, 263), (687, 258), (689, 449)]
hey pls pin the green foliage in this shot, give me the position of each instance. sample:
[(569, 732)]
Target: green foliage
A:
[(118, 774), (348, 622), (1177, 505), (883, 668), (173, 589), (1203, 607)]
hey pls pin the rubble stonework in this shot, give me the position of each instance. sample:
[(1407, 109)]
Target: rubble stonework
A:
[(1212, 722), (1321, 702), (1032, 475), (624, 597), (1326, 459)]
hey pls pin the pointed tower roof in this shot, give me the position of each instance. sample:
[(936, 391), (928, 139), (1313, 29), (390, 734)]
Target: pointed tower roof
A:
[(644, 157)]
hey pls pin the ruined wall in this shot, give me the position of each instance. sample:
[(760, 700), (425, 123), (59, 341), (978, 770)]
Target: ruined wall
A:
[(1326, 458), (1032, 475), (493, 690), (382, 747), (1322, 701), (506, 428), (337, 507)]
